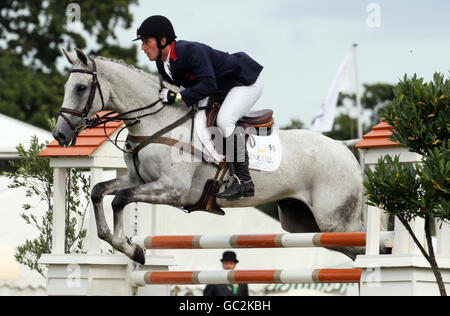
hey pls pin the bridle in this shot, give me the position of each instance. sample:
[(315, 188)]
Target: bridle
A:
[(95, 84), (108, 117)]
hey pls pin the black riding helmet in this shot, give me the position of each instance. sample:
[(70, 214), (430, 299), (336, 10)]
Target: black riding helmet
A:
[(157, 26)]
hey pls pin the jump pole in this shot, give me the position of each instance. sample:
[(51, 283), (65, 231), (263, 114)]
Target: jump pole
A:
[(141, 278), (259, 241)]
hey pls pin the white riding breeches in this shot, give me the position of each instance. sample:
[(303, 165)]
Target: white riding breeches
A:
[(237, 104)]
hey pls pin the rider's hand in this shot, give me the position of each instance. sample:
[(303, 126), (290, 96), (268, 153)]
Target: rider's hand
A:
[(167, 96)]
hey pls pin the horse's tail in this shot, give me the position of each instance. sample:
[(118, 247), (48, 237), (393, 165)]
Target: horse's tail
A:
[(350, 144)]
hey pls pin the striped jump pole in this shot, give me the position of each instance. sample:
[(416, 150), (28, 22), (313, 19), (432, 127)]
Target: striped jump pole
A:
[(259, 241), (141, 278)]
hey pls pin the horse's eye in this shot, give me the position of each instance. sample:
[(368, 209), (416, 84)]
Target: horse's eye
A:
[(81, 88)]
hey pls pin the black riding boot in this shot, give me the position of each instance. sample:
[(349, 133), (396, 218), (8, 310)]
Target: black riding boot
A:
[(242, 185)]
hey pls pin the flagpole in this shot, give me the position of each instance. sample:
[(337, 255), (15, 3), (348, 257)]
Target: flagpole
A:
[(358, 102), (359, 119), (358, 96)]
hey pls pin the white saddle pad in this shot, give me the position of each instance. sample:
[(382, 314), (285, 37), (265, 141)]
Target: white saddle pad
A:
[(264, 151)]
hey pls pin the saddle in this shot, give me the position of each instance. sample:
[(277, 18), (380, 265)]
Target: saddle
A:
[(253, 123)]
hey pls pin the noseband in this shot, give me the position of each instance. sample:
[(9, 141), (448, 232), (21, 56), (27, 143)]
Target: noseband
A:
[(95, 84)]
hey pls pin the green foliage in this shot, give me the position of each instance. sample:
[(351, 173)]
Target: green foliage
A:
[(373, 99), (38, 30), (295, 124), (127, 54), (435, 179), (344, 128), (406, 199), (420, 113), (27, 94), (420, 118), (35, 175), (32, 35), (30, 252)]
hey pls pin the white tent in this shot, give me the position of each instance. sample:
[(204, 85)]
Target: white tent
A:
[(13, 229), (15, 132), (14, 232)]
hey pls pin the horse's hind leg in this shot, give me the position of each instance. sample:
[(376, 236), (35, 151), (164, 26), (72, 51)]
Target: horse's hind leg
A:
[(99, 191), (296, 217), (336, 211)]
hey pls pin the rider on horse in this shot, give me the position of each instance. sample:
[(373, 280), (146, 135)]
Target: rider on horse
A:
[(206, 72)]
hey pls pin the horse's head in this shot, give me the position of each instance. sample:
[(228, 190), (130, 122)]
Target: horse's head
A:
[(85, 94)]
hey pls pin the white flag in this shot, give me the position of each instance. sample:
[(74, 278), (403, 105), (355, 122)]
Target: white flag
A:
[(325, 119)]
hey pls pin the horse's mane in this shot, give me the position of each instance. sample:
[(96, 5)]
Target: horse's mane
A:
[(151, 76), (131, 67)]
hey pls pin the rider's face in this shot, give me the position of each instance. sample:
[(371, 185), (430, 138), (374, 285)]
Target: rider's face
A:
[(150, 47)]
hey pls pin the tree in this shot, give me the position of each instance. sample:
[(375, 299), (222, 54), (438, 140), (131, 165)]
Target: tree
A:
[(32, 35), (373, 99), (344, 128), (36, 31), (295, 124), (420, 117), (27, 94), (35, 175)]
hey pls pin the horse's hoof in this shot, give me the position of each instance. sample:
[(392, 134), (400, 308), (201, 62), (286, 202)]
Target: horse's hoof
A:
[(138, 254)]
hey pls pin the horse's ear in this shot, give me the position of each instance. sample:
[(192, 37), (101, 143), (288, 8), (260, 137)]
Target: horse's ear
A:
[(71, 59), (82, 56)]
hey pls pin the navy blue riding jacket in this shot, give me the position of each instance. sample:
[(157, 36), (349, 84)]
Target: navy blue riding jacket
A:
[(204, 71)]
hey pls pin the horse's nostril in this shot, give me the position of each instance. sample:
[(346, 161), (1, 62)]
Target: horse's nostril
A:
[(60, 138)]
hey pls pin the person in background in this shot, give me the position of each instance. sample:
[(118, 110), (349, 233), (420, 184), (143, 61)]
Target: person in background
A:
[(229, 262)]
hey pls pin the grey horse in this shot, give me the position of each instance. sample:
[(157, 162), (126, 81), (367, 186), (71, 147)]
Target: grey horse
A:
[(318, 186)]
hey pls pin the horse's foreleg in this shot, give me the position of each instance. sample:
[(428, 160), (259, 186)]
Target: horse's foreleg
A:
[(154, 193), (99, 191)]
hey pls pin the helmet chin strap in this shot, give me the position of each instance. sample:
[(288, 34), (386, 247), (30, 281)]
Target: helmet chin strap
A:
[(161, 47), (160, 55)]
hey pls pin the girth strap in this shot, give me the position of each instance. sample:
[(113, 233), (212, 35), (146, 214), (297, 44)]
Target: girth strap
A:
[(190, 149), (150, 139)]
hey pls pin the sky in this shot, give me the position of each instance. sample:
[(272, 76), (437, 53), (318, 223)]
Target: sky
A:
[(301, 43)]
